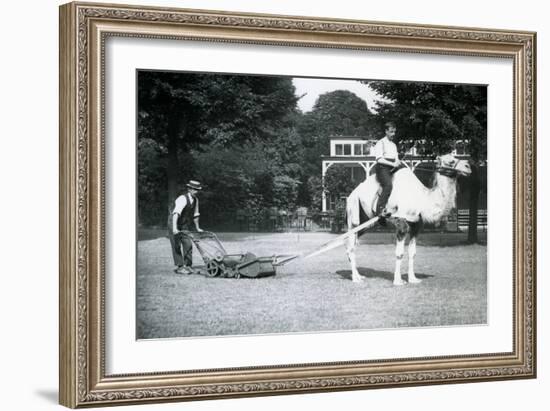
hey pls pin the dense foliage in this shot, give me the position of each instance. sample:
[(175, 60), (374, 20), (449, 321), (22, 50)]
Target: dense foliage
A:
[(224, 130), (337, 113), (255, 152), (433, 117), (241, 136)]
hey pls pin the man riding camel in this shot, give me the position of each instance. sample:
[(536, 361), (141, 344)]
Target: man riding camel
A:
[(185, 217), (387, 161)]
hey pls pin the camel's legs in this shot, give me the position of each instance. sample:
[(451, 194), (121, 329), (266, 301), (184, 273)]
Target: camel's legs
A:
[(412, 253), (351, 244), (402, 228), (399, 251)]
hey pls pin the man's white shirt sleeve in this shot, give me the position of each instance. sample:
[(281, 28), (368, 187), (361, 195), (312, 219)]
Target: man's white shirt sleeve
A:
[(385, 148), (379, 150), (181, 202), (196, 208)]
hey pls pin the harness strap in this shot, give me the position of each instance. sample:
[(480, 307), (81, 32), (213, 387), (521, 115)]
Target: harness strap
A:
[(447, 171), (451, 172)]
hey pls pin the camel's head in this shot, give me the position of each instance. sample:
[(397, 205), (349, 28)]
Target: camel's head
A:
[(449, 165)]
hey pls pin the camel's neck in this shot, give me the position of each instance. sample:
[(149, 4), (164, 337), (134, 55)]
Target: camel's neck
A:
[(442, 199)]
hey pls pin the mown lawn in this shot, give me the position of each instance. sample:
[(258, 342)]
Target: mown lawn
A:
[(313, 295)]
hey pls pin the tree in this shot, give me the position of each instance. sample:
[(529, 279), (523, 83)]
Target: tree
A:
[(184, 112), (229, 179), (337, 181), (151, 170), (315, 189), (337, 113), (434, 117), (340, 112), (285, 192)]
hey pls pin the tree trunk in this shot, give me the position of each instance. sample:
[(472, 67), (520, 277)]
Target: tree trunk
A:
[(475, 188), (172, 165)]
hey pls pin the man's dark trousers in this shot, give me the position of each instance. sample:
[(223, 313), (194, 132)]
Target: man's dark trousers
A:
[(384, 177), (182, 250)]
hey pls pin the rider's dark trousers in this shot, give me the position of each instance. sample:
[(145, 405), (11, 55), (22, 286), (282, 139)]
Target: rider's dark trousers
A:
[(384, 176)]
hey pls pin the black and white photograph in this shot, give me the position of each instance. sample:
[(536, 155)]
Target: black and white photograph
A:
[(276, 204)]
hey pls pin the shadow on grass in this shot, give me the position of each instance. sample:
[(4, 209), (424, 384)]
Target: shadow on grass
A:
[(145, 234), (443, 242), (370, 273), (429, 239)]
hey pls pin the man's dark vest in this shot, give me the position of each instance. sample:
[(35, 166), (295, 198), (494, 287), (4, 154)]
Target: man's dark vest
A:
[(185, 219)]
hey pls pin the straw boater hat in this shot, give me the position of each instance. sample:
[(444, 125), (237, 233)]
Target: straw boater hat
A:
[(195, 185)]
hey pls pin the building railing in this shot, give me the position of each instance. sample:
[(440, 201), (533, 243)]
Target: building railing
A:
[(463, 219)]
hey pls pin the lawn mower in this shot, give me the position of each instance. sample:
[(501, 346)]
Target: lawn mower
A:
[(221, 264)]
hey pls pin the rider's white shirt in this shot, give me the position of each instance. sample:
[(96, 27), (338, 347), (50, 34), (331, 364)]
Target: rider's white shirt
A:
[(384, 148)]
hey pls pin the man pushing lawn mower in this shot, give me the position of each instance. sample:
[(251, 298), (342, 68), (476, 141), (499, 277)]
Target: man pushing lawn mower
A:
[(185, 231), (185, 217)]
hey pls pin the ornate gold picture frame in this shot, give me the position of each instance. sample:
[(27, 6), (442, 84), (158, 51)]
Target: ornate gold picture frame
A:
[(84, 30)]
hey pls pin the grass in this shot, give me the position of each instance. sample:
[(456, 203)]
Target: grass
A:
[(313, 295)]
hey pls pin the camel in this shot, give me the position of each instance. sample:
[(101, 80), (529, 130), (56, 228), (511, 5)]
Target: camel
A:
[(411, 203)]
